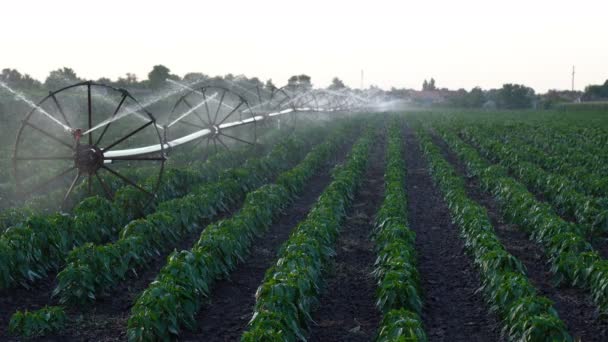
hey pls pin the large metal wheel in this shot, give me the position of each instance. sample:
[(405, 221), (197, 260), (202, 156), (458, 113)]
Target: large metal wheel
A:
[(225, 113), (61, 144), (276, 107)]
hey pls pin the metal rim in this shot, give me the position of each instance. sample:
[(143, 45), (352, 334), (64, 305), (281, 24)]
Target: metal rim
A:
[(88, 157), (212, 120)]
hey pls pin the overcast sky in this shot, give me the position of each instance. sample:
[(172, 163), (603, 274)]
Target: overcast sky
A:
[(461, 44)]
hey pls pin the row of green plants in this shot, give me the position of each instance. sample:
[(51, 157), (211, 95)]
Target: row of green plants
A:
[(290, 288), (395, 269), (30, 249), (573, 260), (92, 271), (558, 189), (38, 323), (175, 297), (164, 227), (526, 316), (38, 243), (575, 143), (160, 229), (567, 153)]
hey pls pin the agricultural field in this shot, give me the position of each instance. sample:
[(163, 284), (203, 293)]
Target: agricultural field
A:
[(401, 226)]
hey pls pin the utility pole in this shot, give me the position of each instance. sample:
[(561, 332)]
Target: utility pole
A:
[(573, 72), (361, 79)]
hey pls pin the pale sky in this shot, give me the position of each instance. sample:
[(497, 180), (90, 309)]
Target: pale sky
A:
[(397, 43)]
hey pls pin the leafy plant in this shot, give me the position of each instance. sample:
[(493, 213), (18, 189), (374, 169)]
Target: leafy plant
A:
[(49, 319), (290, 288)]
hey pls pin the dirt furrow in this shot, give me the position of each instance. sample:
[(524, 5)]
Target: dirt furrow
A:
[(453, 309), (347, 310)]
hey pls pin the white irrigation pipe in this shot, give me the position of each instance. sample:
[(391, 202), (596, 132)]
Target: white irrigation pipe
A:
[(140, 151)]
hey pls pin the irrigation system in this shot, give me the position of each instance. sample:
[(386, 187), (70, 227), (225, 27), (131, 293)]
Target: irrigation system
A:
[(214, 115)]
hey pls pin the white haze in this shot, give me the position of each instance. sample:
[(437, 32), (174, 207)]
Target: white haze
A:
[(398, 43)]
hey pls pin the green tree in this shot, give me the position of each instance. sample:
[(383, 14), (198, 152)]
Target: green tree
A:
[(515, 96), (104, 80), (269, 85), (336, 84), (16, 79), (476, 98), (61, 78), (195, 76), (596, 92), (299, 83), (158, 75), (129, 81)]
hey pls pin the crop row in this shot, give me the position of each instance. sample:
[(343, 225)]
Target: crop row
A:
[(290, 288), (39, 243), (567, 154), (559, 190), (399, 293), (574, 146), (174, 298), (94, 270), (572, 258), (563, 154), (29, 250), (525, 314)]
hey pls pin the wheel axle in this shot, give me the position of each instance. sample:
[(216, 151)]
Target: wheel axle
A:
[(88, 158)]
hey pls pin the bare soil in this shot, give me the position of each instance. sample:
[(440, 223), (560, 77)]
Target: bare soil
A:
[(453, 309), (347, 310)]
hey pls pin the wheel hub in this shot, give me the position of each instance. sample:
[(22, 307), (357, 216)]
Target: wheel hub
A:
[(215, 130), (88, 158)]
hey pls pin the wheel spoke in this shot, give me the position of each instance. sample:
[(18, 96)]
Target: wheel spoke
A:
[(47, 182), (105, 187), (221, 142), (127, 180), (71, 188), (105, 129), (198, 142), (127, 136), (214, 145), (49, 135), (231, 112), (90, 185), (206, 150), (237, 139), (219, 106), (191, 124), (194, 110), (46, 158), (65, 118), (206, 107)]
